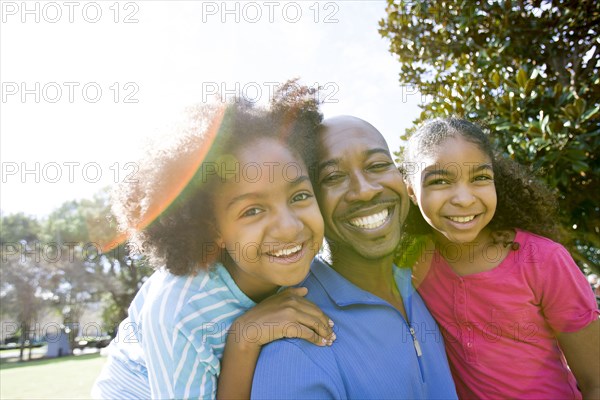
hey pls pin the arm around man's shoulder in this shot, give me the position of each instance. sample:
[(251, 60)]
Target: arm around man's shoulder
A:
[(295, 369)]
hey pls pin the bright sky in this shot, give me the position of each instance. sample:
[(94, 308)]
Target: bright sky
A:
[(79, 98)]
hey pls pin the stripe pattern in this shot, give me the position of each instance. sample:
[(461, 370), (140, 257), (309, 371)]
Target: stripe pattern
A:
[(171, 344)]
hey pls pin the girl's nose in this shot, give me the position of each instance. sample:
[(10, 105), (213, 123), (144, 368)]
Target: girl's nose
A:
[(463, 196), (286, 226)]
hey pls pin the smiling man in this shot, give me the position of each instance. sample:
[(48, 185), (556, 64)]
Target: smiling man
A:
[(388, 345)]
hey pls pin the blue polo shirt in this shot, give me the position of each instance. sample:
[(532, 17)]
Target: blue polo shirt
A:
[(374, 356)]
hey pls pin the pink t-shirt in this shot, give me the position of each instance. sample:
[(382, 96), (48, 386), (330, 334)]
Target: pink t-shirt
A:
[(499, 325)]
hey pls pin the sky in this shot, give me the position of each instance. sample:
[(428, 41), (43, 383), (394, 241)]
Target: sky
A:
[(85, 84)]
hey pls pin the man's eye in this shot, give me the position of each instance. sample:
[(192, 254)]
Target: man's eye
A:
[(301, 196), (332, 178), (379, 166)]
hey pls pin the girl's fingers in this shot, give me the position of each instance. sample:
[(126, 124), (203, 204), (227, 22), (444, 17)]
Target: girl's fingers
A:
[(299, 291), (296, 309), (294, 298), (318, 326), (303, 332), (321, 320)]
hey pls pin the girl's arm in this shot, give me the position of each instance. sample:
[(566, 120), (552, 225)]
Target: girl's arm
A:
[(285, 314), (582, 351)]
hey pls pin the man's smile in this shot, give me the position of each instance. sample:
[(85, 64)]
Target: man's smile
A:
[(372, 221)]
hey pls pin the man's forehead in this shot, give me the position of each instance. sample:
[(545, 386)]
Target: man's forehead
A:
[(348, 128)]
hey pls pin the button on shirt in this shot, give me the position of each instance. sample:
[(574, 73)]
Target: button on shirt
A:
[(374, 355)]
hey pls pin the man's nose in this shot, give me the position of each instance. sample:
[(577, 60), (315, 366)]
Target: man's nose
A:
[(362, 188)]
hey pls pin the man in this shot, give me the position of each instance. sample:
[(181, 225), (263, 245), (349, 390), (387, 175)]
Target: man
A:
[(388, 345)]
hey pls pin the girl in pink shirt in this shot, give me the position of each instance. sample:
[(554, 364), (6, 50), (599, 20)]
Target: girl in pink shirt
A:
[(517, 315)]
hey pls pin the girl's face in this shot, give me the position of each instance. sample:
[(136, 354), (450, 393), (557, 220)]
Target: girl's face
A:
[(454, 189), (267, 217)]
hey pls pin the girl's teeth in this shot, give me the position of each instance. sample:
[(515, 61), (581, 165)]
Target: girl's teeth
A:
[(286, 252), (462, 219), (370, 221)]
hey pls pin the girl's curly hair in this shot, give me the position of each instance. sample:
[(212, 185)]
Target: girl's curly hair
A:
[(168, 211), (523, 201)]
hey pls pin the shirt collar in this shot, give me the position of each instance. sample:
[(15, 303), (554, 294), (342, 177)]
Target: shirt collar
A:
[(220, 271), (343, 293)]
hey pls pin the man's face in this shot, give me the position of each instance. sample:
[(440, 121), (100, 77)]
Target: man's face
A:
[(361, 194)]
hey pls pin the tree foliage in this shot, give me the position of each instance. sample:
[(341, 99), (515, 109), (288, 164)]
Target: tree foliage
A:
[(64, 262), (24, 279), (529, 72)]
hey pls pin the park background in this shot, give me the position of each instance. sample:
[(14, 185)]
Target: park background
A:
[(86, 84)]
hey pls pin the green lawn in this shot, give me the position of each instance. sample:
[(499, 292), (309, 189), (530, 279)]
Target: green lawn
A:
[(62, 378)]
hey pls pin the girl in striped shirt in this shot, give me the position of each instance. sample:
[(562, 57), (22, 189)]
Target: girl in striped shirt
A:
[(226, 208)]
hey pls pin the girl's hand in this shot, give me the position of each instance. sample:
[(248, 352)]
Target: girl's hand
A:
[(285, 314)]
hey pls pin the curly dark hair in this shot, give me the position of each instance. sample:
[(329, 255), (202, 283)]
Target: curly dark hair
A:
[(168, 211), (523, 201)]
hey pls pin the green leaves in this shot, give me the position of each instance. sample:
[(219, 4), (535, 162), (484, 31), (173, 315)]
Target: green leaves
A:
[(522, 78)]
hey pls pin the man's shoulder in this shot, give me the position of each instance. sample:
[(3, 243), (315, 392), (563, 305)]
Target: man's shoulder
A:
[(296, 368)]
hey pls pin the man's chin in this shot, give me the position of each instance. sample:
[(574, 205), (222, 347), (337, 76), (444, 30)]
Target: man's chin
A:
[(365, 252), (370, 254)]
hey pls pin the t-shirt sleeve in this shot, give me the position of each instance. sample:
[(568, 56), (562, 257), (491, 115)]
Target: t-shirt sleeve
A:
[(178, 367), (567, 301), (285, 371)]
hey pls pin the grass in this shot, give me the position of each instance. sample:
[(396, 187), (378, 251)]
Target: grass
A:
[(60, 378)]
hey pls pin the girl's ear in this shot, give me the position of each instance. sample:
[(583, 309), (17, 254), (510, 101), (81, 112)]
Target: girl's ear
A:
[(411, 194), (219, 240), (212, 225)]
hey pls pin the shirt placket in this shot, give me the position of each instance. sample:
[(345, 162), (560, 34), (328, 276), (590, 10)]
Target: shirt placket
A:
[(467, 336)]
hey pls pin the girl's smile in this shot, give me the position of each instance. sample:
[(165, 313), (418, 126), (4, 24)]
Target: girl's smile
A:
[(268, 221), (455, 191)]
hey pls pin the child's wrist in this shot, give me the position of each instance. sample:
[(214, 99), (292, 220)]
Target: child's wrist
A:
[(242, 344)]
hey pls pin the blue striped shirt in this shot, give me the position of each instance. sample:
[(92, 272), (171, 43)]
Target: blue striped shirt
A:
[(171, 344)]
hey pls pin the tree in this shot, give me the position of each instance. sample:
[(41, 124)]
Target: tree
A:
[(529, 71), (66, 261), (23, 285), (98, 266)]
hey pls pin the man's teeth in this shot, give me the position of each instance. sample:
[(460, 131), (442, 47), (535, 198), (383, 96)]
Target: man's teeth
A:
[(370, 221), (287, 251), (462, 219)]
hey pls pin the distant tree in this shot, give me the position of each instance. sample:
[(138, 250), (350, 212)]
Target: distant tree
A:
[(17, 227), (65, 261), (24, 278), (22, 295), (527, 69), (100, 266)]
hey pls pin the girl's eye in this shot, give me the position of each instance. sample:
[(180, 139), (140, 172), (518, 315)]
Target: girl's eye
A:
[(301, 196), (483, 178), (251, 212), (438, 181)]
